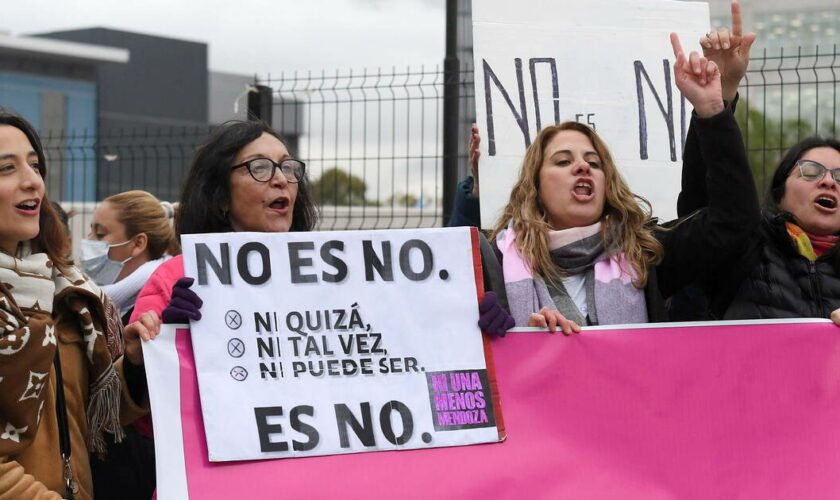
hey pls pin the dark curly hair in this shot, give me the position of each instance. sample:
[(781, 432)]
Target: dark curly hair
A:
[(207, 188), (776, 191)]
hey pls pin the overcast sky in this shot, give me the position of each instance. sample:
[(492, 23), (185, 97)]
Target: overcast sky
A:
[(261, 36)]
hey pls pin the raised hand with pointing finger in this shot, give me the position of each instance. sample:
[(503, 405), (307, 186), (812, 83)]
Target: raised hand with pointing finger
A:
[(730, 50), (698, 79)]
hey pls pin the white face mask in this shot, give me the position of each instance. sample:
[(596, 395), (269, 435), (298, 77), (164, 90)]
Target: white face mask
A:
[(96, 263)]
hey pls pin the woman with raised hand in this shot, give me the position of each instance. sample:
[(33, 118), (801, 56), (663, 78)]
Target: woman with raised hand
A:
[(791, 267), (729, 49), (576, 245), (59, 389)]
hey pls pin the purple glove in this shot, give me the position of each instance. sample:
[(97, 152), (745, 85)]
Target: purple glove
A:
[(492, 318), (184, 304)]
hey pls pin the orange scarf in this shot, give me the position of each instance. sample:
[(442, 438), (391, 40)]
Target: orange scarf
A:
[(810, 246)]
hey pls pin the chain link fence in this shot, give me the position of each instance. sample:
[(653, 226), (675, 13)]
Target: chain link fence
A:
[(373, 140), (786, 97)]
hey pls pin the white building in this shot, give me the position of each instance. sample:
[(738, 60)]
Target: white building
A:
[(783, 24)]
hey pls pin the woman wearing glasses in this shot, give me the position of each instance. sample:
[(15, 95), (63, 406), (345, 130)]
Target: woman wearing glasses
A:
[(242, 179), (792, 267)]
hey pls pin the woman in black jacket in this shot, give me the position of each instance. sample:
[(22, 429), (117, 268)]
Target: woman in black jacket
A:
[(791, 266)]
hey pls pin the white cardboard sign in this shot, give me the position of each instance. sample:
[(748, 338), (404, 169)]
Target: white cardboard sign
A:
[(607, 63), (338, 342)]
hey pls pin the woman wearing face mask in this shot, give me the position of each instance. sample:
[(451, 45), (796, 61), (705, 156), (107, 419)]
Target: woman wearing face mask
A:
[(577, 248), (59, 389), (130, 236)]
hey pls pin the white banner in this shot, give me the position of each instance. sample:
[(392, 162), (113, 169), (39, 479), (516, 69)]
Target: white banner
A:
[(163, 375), (606, 63), (338, 342)]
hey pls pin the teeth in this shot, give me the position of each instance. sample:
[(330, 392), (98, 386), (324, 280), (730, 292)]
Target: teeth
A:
[(826, 201), (582, 188), (28, 204)]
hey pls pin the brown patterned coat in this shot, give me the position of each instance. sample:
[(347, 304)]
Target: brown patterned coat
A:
[(42, 309)]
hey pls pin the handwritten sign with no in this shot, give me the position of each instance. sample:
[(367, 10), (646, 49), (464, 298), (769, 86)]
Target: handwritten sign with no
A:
[(605, 63)]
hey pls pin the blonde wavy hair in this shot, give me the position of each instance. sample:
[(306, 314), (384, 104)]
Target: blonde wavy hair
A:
[(625, 222)]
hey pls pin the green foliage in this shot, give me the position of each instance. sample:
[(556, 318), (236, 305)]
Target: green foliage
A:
[(337, 187), (767, 140), (403, 200)]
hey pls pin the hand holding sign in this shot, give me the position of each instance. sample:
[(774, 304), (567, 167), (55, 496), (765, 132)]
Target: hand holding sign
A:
[(730, 50), (698, 79), (184, 305), (147, 327), (552, 319), (475, 140), (492, 318), (316, 343)]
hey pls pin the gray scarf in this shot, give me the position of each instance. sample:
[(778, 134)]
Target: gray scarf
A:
[(611, 297)]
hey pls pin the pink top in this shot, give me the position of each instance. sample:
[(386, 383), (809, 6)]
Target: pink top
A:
[(155, 294)]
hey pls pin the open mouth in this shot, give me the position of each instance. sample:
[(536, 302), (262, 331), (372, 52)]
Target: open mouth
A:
[(583, 189), (28, 205), (279, 204), (826, 202)]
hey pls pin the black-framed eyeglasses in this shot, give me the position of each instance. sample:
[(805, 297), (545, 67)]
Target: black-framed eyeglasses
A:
[(811, 170), (263, 169)]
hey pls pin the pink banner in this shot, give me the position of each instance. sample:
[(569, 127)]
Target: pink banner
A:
[(735, 411)]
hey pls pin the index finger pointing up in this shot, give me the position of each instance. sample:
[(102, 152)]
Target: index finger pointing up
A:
[(736, 18), (675, 44)]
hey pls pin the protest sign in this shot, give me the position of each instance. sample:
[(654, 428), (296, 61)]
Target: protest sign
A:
[(695, 411), (605, 63), (339, 342)]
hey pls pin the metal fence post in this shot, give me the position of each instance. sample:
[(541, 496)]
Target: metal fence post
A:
[(450, 110), (260, 103)]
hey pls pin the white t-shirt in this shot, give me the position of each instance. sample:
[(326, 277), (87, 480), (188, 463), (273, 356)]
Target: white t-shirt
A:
[(576, 288)]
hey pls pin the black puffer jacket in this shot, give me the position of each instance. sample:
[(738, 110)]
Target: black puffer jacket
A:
[(770, 280), (773, 281)]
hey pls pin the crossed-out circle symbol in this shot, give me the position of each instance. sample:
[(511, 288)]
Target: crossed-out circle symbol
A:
[(239, 373), (236, 348), (233, 319)]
